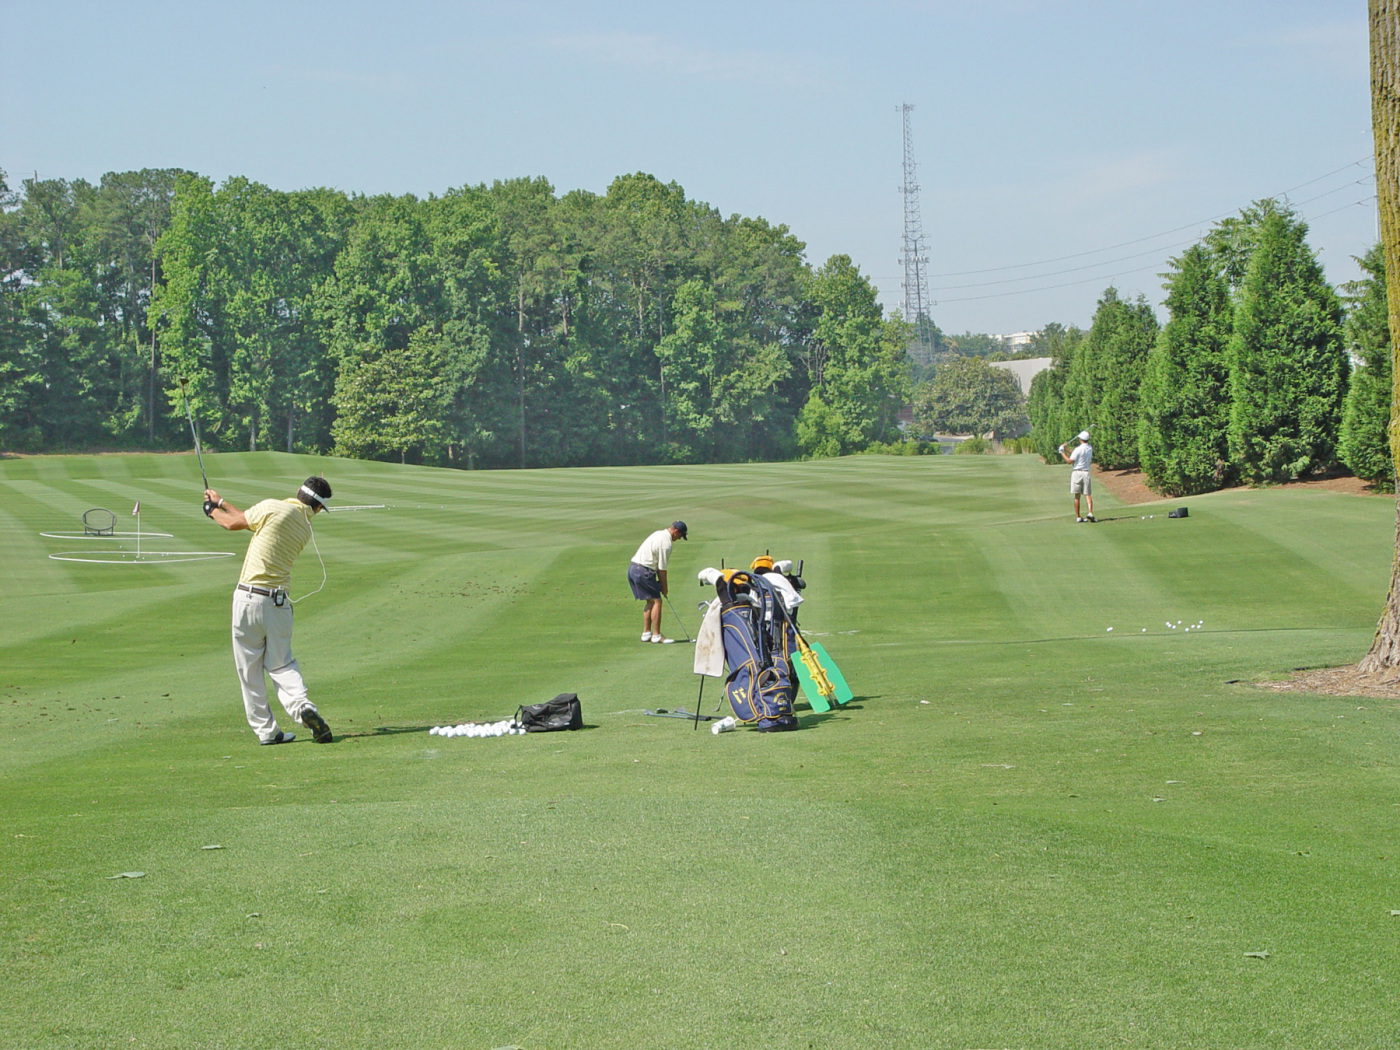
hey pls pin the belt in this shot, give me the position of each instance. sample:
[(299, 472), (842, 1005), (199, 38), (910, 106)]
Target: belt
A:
[(261, 590)]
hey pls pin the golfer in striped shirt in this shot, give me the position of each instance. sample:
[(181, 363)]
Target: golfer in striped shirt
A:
[(262, 613)]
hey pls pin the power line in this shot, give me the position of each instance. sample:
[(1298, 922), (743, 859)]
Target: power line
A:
[(1137, 255), (1058, 273), (1140, 240), (1100, 277)]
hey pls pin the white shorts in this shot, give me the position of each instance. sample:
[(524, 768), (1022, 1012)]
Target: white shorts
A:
[(1079, 483)]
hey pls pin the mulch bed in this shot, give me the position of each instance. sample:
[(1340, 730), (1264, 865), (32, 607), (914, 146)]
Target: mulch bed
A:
[(1128, 486), (1339, 681)]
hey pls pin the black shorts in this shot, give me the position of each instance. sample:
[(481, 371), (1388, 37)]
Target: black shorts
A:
[(645, 583)]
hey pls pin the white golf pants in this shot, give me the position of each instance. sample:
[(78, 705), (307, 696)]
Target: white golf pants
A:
[(262, 642)]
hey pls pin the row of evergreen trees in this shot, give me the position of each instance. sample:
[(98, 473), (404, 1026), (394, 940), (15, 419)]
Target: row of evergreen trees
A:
[(501, 325), (1247, 382)]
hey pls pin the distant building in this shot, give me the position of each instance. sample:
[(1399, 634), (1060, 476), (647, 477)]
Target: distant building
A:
[(1024, 370), (1017, 341)]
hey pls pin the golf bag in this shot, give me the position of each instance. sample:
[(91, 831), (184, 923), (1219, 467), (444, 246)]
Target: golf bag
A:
[(758, 647)]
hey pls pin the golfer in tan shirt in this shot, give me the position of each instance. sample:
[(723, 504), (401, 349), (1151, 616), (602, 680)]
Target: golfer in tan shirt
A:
[(262, 612)]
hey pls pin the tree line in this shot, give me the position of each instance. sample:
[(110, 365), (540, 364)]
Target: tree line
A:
[(1248, 381), (489, 326)]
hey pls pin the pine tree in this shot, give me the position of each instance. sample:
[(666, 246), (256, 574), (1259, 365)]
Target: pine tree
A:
[(1103, 381), (1050, 423), (1288, 370), (1365, 442), (1184, 397)]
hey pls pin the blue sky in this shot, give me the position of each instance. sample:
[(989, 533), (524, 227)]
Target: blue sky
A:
[(1043, 129)]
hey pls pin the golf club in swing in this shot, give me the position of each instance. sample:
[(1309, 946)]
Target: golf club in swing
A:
[(1087, 430), (678, 619), (193, 433)]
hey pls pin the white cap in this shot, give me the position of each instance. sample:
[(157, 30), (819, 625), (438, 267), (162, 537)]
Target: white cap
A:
[(1083, 435)]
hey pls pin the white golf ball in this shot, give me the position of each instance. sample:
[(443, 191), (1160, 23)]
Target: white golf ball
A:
[(1110, 628), (1144, 630), (433, 731)]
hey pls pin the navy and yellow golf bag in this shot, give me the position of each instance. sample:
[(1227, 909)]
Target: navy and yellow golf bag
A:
[(758, 647)]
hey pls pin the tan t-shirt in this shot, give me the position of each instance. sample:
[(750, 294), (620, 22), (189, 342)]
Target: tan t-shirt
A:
[(280, 529), (655, 550)]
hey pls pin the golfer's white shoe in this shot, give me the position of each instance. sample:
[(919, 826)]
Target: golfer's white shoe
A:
[(662, 640), (646, 636)]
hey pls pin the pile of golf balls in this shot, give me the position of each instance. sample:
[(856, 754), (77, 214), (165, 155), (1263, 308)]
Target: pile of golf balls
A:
[(505, 727), (1190, 627)]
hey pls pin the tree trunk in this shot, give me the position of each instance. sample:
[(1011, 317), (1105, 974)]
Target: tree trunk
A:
[(520, 366), (151, 404), (1384, 656)]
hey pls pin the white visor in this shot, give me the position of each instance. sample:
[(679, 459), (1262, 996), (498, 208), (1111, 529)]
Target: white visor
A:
[(311, 496)]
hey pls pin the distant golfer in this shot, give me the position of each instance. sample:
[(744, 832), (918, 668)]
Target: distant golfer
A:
[(262, 615), (1079, 482), (647, 577)]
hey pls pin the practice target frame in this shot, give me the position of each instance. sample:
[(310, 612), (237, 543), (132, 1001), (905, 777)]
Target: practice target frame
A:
[(110, 557), (142, 535)]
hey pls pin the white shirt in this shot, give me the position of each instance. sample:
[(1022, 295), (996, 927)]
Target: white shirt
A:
[(655, 550), (1080, 457)]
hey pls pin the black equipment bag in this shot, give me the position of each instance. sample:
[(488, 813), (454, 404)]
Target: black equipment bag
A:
[(563, 712), (1180, 512)]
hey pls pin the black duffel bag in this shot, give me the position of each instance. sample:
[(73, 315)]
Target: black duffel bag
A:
[(563, 712)]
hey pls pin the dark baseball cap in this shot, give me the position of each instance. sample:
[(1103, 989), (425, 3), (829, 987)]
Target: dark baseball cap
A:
[(679, 526)]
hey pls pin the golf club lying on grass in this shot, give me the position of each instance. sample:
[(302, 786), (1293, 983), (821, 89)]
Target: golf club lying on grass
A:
[(679, 712)]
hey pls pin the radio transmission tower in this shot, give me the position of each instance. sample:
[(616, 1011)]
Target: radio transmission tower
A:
[(916, 297)]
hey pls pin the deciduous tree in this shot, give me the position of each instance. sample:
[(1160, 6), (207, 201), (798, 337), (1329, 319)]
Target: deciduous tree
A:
[(856, 364), (969, 396)]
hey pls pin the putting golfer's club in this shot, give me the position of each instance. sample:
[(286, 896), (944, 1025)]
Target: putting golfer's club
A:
[(678, 619), (193, 433)]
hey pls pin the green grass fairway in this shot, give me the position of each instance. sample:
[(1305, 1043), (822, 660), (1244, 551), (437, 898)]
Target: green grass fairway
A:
[(1026, 831)]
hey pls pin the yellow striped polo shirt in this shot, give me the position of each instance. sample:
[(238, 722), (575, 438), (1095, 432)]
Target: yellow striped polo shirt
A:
[(280, 529)]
